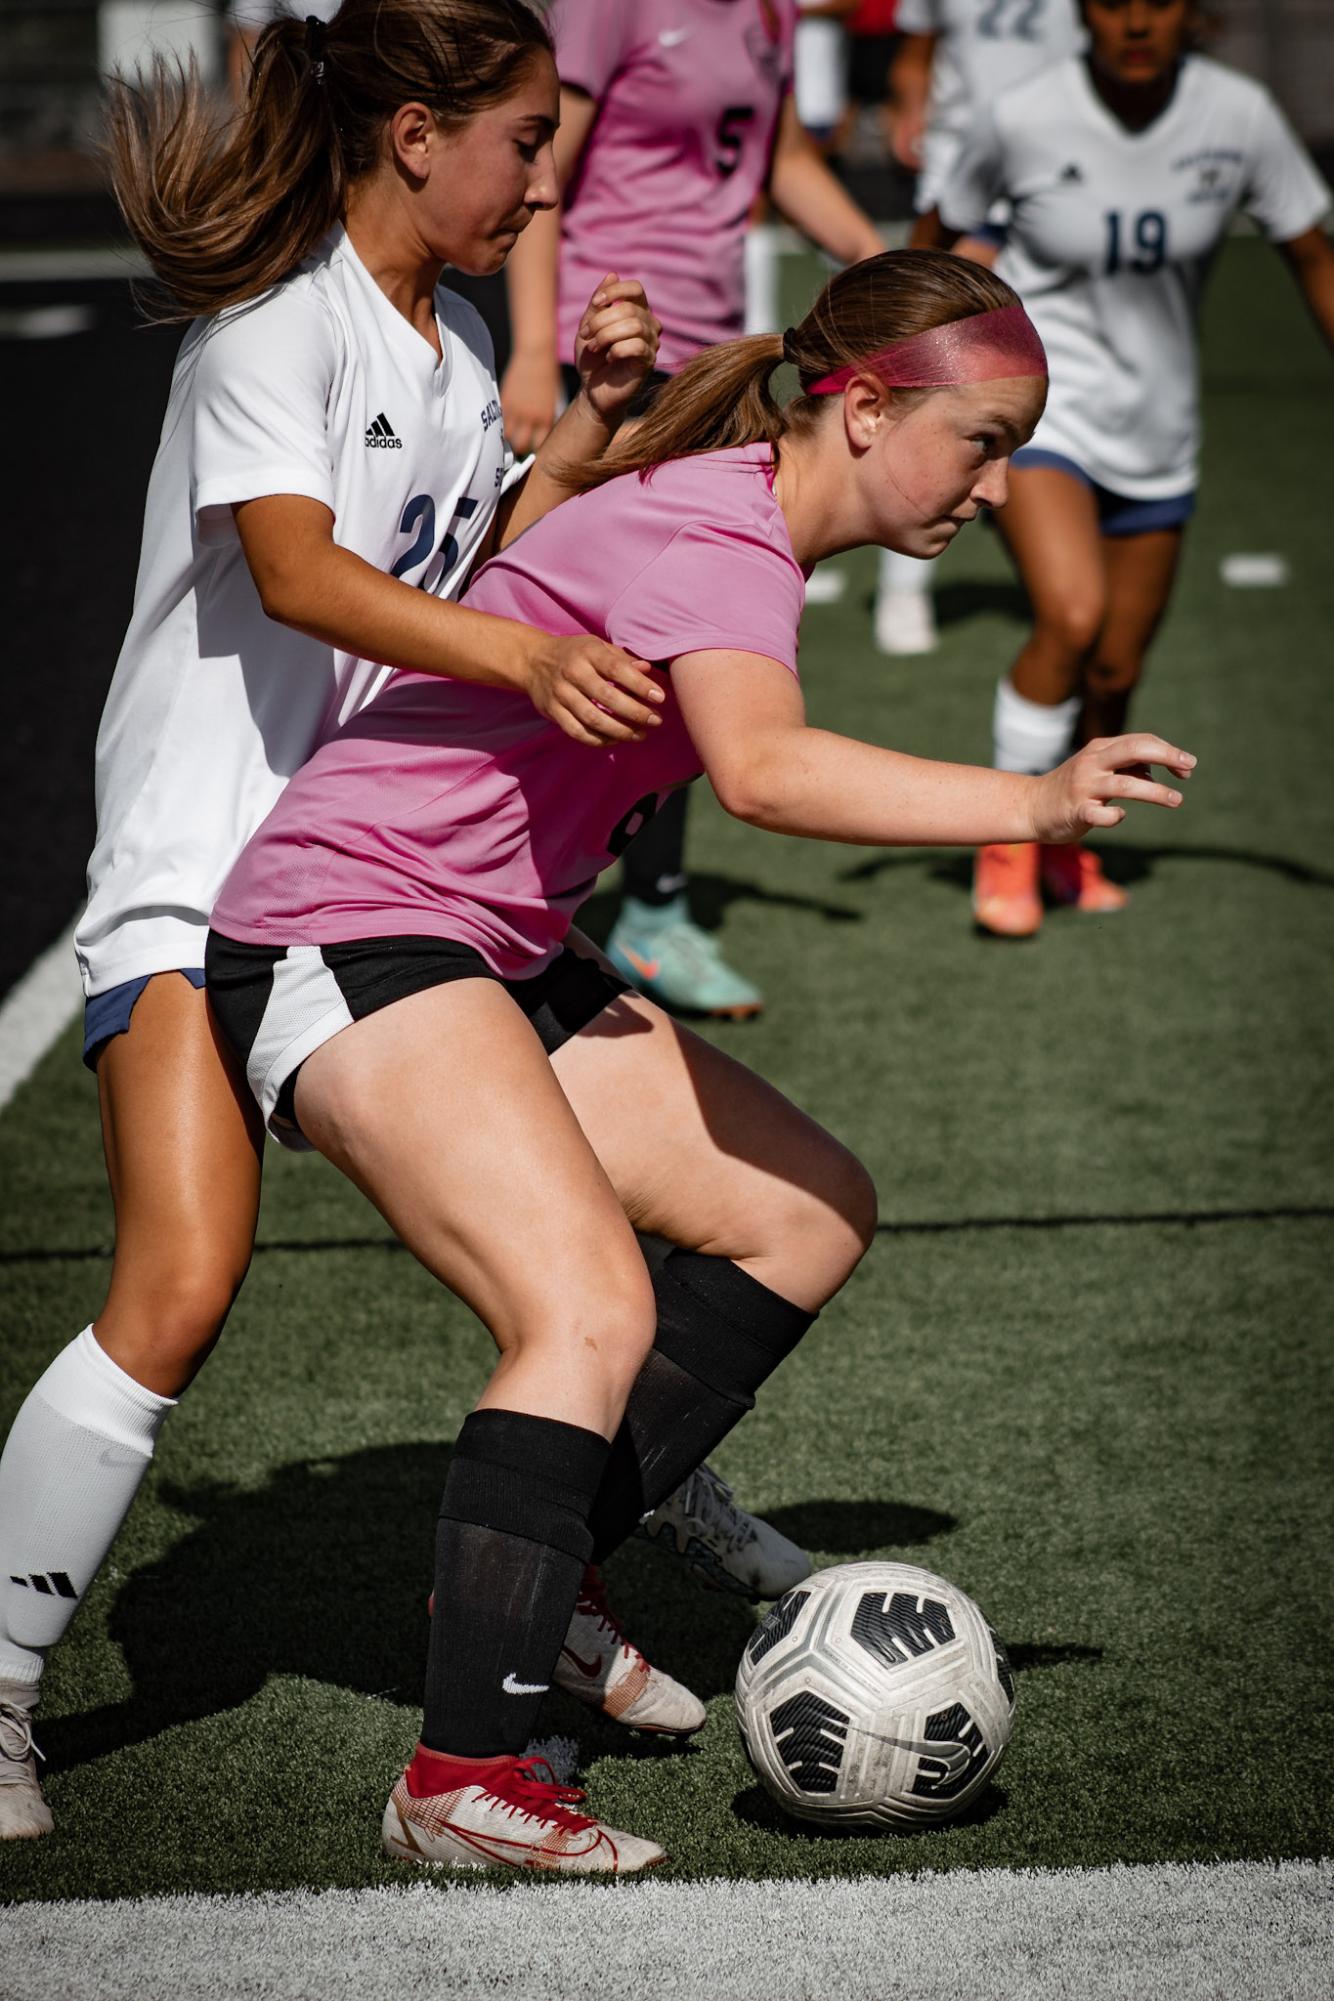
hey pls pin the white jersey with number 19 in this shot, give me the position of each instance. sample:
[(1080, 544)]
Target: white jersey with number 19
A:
[(319, 388), (1110, 239)]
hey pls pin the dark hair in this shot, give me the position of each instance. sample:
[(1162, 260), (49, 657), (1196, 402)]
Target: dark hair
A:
[(224, 212), (725, 395)]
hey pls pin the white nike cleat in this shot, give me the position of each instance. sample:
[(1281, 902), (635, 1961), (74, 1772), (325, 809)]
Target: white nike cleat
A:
[(600, 1667), (24, 1814), (730, 1549), (905, 622), (499, 1813)]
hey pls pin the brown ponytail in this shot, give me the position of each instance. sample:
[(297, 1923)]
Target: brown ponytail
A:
[(222, 212), (724, 396)]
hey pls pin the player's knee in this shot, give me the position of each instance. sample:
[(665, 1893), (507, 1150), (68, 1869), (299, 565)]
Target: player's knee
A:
[(189, 1297), (604, 1329), (1069, 623), (832, 1214), (1113, 673)]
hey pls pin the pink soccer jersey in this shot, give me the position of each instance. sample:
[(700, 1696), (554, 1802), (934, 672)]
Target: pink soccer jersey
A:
[(451, 811), (688, 95)]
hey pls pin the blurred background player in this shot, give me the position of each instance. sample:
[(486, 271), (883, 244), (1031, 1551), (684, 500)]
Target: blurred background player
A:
[(673, 118), (1122, 171), (954, 56)]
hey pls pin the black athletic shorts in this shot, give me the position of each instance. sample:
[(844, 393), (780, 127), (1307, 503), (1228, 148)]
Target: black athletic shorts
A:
[(277, 1005)]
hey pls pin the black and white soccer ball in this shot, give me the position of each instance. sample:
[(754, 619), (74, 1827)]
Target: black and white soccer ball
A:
[(874, 1695)]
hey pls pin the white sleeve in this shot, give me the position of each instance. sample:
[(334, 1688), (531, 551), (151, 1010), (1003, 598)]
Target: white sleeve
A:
[(917, 17), (259, 406), (1284, 192), (976, 181)]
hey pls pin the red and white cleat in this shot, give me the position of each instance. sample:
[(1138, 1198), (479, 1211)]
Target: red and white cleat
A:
[(1005, 889), (600, 1667), (498, 1813), (1073, 875)]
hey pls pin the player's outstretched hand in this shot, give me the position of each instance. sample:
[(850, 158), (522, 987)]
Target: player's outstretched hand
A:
[(1091, 788), (616, 346), (596, 693)]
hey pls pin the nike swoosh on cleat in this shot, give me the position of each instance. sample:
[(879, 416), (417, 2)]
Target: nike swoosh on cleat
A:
[(592, 1671), (513, 1687), (650, 968)]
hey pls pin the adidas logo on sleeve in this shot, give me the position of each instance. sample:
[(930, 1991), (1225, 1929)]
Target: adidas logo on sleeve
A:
[(381, 435)]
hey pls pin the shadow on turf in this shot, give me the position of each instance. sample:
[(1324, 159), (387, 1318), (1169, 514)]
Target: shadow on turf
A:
[(1125, 862), (754, 1806), (323, 1573), (711, 896)]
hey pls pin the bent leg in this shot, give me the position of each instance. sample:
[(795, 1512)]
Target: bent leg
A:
[(1050, 526), (1141, 570), (443, 1109), (769, 1213), (182, 1152)]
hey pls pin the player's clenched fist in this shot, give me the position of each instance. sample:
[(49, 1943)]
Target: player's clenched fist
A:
[(1090, 789), (596, 693), (616, 346)]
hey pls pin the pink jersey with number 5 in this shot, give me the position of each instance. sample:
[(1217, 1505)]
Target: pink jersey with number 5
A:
[(688, 95)]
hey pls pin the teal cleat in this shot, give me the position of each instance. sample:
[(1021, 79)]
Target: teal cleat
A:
[(660, 950)]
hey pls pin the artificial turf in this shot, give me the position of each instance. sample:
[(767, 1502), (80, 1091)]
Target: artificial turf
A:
[(1084, 1371)]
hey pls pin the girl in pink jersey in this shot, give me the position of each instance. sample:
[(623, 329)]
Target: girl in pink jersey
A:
[(390, 961), (673, 118)]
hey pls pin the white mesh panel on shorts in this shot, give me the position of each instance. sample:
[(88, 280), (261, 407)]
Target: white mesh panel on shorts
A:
[(305, 1009)]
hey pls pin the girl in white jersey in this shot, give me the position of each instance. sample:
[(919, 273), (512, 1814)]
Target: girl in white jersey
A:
[(380, 969), (331, 465), (954, 57), (1123, 172)]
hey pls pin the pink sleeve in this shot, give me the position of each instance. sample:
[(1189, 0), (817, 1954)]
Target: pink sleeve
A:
[(591, 38), (710, 588)]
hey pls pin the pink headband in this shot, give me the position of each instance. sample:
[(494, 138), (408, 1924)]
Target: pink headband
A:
[(982, 348)]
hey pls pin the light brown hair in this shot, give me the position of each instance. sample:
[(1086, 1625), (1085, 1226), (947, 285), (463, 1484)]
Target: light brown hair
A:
[(725, 395), (222, 212)]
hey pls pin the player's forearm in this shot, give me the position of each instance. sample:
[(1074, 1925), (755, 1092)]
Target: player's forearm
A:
[(577, 438), (810, 196), (333, 596), (530, 286), (1315, 275), (832, 788)]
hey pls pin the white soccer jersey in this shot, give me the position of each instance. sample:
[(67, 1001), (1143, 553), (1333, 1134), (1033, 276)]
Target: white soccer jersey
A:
[(318, 388), (982, 47), (1110, 241)]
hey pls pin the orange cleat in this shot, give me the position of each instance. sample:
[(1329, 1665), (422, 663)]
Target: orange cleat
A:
[(1005, 889), (1073, 875)]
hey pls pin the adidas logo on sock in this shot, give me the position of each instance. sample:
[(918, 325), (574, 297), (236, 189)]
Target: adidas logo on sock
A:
[(381, 435), (55, 1584)]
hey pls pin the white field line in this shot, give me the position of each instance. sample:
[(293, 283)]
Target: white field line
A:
[(1238, 1931), (36, 1011)]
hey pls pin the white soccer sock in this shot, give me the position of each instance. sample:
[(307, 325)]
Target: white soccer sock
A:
[(905, 573), (1031, 736), (71, 1466)]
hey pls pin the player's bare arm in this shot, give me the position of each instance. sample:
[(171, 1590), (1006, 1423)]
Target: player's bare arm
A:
[(768, 767), (596, 693), (530, 386), (1310, 258), (808, 194)]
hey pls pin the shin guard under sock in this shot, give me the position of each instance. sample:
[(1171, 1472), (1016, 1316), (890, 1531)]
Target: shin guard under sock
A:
[(720, 1335), (511, 1547), (71, 1466)]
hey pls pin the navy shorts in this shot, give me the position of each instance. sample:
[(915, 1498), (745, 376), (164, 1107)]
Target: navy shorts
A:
[(108, 1014), (1118, 514), (277, 1005)]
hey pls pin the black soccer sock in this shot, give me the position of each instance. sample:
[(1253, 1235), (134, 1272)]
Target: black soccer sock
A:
[(720, 1335), (511, 1546), (654, 865)]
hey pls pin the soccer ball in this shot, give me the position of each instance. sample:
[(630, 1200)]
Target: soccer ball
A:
[(874, 1695)]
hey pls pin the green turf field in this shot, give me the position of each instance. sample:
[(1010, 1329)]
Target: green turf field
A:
[(1084, 1371)]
